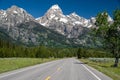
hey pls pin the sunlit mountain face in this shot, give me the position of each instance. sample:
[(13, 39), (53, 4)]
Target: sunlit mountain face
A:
[(52, 29)]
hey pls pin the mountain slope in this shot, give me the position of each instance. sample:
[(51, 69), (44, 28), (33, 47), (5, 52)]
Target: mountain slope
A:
[(64, 24), (52, 29)]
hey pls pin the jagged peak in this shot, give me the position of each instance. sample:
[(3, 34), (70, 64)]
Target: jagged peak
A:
[(74, 14), (54, 10), (15, 9), (56, 6), (14, 6)]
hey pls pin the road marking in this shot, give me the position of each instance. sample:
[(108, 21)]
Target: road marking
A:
[(58, 69), (48, 78), (91, 72)]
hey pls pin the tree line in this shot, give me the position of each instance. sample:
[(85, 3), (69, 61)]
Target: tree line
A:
[(95, 53), (8, 49)]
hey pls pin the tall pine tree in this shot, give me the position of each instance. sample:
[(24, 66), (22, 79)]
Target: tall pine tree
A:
[(110, 34)]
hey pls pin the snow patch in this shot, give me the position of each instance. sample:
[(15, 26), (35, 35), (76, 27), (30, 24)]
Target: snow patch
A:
[(44, 24), (55, 7), (52, 16), (78, 22), (15, 12), (110, 19), (58, 30), (63, 20), (74, 14), (86, 22), (56, 18), (38, 18), (89, 26), (4, 13)]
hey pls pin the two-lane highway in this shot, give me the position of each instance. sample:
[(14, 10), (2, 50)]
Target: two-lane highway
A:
[(65, 69)]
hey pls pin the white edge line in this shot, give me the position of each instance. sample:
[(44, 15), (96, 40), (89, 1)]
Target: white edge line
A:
[(91, 72)]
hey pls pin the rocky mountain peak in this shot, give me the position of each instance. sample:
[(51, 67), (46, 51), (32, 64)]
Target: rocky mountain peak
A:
[(14, 16), (56, 6), (15, 9), (74, 14), (55, 9), (69, 25)]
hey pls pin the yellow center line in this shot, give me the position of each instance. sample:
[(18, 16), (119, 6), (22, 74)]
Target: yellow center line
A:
[(48, 78), (58, 69)]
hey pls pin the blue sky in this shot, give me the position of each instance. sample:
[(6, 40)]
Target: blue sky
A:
[(84, 8)]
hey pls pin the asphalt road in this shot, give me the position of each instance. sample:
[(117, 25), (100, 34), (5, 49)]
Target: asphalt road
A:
[(65, 69)]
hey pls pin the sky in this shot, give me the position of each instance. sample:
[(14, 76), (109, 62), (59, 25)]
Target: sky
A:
[(84, 8)]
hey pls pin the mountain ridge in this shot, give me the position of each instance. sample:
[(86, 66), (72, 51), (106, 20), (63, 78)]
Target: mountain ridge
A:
[(58, 29)]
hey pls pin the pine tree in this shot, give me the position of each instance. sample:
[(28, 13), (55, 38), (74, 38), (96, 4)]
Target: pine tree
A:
[(110, 34)]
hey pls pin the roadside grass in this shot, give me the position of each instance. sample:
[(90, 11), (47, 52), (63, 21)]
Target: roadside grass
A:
[(8, 64), (104, 65)]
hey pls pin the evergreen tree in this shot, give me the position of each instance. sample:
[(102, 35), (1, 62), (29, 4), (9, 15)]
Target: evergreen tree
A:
[(79, 53), (110, 34)]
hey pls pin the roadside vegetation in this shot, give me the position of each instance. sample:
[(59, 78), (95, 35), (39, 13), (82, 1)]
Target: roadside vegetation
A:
[(106, 61), (109, 33), (104, 65), (8, 64)]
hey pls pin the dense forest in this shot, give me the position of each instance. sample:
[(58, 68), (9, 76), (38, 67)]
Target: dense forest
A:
[(8, 49)]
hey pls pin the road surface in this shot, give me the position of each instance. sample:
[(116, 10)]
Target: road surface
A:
[(65, 69)]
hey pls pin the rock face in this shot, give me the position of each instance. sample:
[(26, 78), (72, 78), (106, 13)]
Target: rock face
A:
[(69, 25), (14, 16), (54, 28), (19, 26), (11, 18), (72, 25)]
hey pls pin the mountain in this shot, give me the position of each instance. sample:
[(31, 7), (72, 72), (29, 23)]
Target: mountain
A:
[(11, 18), (52, 29), (69, 25), (18, 26), (14, 16)]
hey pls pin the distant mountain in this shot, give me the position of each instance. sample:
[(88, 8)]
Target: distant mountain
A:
[(14, 16), (69, 25), (52, 29)]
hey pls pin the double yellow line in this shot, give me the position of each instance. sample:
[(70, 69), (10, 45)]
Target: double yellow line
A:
[(49, 77)]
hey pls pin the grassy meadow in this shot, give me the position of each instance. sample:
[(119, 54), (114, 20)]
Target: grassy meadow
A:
[(104, 65), (7, 64)]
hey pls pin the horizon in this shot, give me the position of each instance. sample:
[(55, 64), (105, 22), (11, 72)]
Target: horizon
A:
[(38, 10)]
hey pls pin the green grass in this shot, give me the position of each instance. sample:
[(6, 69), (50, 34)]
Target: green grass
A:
[(104, 65), (8, 64)]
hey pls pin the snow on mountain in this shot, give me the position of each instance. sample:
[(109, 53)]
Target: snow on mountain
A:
[(110, 19), (14, 15), (19, 24), (63, 20), (64, 24), (55, 13), (54, 7)]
